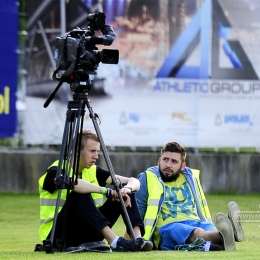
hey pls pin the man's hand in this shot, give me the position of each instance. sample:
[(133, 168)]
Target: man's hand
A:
[(126, 198), (126, 190)]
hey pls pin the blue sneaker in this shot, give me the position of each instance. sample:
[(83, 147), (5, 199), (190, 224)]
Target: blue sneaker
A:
[(124, 245), (143, 244), (140, 244)]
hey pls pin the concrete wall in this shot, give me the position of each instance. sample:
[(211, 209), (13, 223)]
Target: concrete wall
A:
[(238, 173)]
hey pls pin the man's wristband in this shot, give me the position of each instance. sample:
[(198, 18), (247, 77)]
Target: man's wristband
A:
[(106, 191), (103, 191)]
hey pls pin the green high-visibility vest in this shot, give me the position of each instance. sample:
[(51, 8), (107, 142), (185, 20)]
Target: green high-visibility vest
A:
[(48, 201)]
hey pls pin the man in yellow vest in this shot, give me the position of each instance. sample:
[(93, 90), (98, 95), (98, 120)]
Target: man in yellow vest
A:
[(88, 219), (174, 209)]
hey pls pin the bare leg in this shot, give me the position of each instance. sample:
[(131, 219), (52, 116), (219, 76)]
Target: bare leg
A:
[(212, 235), (137, 233), (108, 234)]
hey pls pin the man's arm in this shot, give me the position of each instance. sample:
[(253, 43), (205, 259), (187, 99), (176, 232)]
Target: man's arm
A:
[(81, 187), (130, 184), (142, 195), (86, 187)]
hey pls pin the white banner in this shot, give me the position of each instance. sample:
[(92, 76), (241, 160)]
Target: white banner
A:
[(194, 113)]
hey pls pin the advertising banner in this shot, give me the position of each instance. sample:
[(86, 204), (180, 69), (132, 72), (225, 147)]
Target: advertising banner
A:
[(8, 67), (187, 72)]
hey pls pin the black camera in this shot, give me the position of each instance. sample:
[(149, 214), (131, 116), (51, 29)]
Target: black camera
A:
[(76, 53)]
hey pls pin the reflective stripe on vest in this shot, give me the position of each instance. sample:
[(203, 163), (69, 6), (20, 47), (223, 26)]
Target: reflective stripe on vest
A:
[(51, 202)]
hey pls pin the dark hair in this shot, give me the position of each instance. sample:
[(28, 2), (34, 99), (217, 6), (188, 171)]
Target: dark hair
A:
[(175, 147)]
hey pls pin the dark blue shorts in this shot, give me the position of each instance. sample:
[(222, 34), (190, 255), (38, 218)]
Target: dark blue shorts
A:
[(177, 233)]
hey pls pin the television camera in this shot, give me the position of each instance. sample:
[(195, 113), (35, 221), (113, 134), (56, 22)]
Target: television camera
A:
[(76, 54)]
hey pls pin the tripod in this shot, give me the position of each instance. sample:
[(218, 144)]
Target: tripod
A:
[(66, 176)]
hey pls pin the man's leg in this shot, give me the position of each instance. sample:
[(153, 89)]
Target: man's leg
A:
[(221, 235), (138, 226), (185, 232), (84, 222), (113, 209), (174, 234), (211, 235)]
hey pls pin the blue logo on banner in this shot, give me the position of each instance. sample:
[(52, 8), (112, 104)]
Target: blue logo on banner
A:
[(8, 67), (134, 117), (131, 117), (237, 119)]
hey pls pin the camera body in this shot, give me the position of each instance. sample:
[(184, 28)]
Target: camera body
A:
[(76, 52)]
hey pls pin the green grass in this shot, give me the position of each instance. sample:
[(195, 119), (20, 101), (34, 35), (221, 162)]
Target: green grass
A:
[(19, 223)]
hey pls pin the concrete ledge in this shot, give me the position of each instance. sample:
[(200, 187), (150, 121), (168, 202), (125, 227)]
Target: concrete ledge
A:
[(238, 173)]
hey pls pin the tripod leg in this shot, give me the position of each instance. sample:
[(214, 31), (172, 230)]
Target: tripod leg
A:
[(110, 167), (66, 175)]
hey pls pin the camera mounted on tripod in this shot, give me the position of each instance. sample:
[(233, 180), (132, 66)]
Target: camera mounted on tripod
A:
[(76, 54), (76, 57)]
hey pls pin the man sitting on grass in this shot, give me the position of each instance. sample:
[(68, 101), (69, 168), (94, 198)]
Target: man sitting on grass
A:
[(174, 209), (84, 215)]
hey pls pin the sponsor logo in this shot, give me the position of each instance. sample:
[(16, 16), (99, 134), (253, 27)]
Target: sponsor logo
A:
[(233, 119), (181, 116), (214, 87), (237, 119), (129, 117)]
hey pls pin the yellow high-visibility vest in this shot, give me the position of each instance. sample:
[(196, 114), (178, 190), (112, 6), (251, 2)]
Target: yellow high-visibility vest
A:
[(48, 201), (155, 190)]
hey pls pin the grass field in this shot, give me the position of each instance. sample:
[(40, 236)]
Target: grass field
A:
[(19, 223)]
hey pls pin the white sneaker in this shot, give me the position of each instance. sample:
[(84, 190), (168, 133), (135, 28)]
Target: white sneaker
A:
[(225, 229), (234, 216)]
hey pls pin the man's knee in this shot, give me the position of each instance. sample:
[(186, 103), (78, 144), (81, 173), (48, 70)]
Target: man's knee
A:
[(196, 233)]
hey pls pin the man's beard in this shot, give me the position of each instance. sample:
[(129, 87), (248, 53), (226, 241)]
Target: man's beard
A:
[(172, 177)]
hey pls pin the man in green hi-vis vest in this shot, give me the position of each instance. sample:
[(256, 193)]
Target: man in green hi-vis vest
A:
[(174, 208), (88, 219)]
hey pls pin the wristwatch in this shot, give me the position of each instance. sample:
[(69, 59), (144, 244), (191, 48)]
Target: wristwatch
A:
[(128, 187)]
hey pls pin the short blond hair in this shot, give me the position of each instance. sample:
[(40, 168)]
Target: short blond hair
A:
[(88, 134)]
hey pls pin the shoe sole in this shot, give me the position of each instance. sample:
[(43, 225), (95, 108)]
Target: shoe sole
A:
[(147, 246), (225, 228), (233, 214)]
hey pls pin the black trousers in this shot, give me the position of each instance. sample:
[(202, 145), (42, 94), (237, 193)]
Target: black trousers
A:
[(80, 221)]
